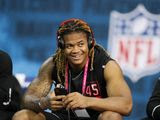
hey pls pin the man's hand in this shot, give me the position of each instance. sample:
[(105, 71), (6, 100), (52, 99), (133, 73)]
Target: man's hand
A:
[(75, 100), (55, 101)]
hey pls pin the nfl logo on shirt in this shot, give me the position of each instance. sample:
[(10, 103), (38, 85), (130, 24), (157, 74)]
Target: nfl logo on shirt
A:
[(134, 41)]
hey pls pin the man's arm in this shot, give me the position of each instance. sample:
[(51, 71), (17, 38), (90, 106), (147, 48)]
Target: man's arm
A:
[(36, 94), (119, 96)]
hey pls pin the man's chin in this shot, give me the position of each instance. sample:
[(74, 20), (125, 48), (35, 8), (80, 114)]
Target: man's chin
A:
[(76, 63)]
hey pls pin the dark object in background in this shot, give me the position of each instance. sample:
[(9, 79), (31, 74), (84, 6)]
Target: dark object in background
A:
[(153, 105), (10, 89)]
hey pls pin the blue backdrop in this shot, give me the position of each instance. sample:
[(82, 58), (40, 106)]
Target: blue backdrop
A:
[(28, 34)]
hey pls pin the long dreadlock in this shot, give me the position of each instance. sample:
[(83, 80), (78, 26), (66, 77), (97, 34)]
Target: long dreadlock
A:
[(68, 26)]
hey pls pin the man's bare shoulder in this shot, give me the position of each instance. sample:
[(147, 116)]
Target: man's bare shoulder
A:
[(113, 71), (47, 66), (48, 62), (112, 64), (41, 84), (45, 72)]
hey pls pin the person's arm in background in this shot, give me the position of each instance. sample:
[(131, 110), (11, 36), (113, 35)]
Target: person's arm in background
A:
[(16, 95), (10, 94), (153, 105)]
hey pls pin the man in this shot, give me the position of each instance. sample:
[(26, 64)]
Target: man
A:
[(153, 105), (10, 90), (94, 82)]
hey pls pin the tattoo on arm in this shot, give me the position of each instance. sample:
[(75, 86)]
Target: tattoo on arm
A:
[(38, 90)]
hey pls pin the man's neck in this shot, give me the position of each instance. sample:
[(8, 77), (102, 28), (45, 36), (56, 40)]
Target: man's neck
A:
[(76, 69)]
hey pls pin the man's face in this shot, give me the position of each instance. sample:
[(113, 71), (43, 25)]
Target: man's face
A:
[(76, 49)]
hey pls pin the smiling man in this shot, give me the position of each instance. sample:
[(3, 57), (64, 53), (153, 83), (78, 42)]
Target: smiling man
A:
[(90, 77)]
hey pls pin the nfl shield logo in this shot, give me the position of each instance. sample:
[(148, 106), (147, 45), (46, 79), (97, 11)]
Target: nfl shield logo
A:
[(134, 41)]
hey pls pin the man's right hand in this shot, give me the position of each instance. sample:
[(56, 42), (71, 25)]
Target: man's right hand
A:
[(55, 102)]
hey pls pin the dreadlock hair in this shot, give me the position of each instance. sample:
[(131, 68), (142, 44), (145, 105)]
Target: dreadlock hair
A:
[(66, 27)]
